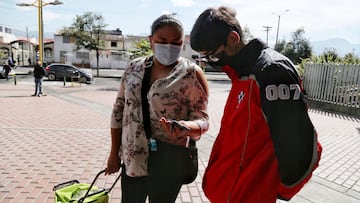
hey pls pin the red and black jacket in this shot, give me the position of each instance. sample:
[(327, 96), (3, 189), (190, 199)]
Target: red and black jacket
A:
[(267, 147)]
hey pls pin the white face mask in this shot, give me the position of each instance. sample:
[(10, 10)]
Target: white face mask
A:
[(167, 54)]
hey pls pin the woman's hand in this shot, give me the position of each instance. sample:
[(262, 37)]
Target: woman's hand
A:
[(113, 164), (174, 128)]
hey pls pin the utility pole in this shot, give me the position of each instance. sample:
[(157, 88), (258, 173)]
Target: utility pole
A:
[(278, 24), (267, 29)]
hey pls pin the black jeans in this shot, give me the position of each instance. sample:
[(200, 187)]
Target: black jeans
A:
[(38, 86), (137, 189), (163, 183)]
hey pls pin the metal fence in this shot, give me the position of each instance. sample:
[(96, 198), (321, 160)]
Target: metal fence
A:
[(333, 87)]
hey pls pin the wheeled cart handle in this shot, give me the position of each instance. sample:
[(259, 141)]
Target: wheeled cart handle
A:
[(92, 184), (62, 185)]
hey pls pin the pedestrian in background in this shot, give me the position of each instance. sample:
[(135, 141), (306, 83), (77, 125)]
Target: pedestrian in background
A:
[(6, 69), (177, 90), (267, 146), (39, 73), (11, 62)]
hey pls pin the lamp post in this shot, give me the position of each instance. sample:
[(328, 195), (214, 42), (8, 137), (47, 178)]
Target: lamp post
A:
[(278, 25), (39, 4)]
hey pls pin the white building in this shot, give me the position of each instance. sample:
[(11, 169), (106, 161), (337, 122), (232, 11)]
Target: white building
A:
[(113, 55), (20, 49), (62, 49)]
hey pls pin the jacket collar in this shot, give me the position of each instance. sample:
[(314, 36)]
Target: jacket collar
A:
[(245, 60)]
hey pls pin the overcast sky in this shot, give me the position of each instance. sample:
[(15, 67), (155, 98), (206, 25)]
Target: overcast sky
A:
[(321, 19)]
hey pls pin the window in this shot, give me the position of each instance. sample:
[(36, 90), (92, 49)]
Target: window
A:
[(1, 28), (66, 39), (7, 30), (113, 44), (48, 52), (82, 55), (62, 56), (62, 53)]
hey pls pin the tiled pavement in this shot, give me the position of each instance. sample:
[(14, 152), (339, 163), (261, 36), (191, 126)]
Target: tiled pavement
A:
[(65, 135)]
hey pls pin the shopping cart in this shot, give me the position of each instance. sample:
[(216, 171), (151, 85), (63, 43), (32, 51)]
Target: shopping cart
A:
[(74, 191)]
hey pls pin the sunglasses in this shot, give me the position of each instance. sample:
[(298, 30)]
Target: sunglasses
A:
[(214, 56)]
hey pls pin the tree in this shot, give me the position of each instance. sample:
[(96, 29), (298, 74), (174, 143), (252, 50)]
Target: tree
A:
[(247, 34), (88, 30), (290, 51), (280, 46), (350, 58), (141, 48), (2, 54), (298, 48), (330, 55)]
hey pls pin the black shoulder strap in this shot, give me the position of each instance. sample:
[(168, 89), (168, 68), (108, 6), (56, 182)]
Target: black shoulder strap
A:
[(144, 101)]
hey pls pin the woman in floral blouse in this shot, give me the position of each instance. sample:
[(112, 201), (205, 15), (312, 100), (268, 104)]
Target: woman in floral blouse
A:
[(178, 90)]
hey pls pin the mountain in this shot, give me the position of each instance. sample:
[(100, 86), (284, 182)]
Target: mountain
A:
[(32, 34), (341, 46)]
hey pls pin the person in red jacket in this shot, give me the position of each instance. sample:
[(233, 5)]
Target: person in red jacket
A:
[(267, 146)]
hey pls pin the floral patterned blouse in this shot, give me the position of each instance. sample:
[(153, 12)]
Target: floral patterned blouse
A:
[(178, 96)]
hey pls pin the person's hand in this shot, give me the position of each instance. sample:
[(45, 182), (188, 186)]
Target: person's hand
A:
[(113, 164), (177, 131), (174, 128)]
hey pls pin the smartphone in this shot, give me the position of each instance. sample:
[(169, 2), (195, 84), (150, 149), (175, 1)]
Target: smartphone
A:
[(178, 125)]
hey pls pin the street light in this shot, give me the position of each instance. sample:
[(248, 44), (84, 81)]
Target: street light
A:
[(40, 4), (278, 25)]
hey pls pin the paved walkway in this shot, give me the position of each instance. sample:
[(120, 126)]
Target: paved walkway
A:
[(65, 135)]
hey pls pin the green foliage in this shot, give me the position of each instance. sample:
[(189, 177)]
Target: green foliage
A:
[(350, 58), (280, 46), (2, 54), (88, 30), (300, 52), (330, 56), (298, 48), (141, 48)]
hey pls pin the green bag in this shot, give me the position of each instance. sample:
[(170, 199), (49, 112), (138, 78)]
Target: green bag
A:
[(73, 191)]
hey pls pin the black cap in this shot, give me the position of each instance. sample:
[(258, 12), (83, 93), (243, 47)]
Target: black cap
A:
[(208, 33)]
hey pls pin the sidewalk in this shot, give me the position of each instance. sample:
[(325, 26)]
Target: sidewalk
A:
[(65, 135)]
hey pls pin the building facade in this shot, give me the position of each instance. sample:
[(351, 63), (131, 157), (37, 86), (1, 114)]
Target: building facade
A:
[(62, 49)]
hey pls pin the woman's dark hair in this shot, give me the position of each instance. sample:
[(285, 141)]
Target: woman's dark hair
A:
[(212, 28), (166, 20)]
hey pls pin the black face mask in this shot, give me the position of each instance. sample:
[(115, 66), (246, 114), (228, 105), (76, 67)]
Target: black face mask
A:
[(243, 61), (224, 60)]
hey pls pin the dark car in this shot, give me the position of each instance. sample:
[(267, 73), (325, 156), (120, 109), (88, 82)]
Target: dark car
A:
[(57, 71)]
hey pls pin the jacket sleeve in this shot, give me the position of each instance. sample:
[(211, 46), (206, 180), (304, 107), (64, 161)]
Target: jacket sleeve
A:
[(43, 71), (293, 134), (118, 106)]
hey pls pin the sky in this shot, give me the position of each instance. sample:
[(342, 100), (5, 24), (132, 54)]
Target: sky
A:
[(321, 19)]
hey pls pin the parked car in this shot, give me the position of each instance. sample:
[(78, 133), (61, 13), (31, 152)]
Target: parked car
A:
[(57, 71)]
